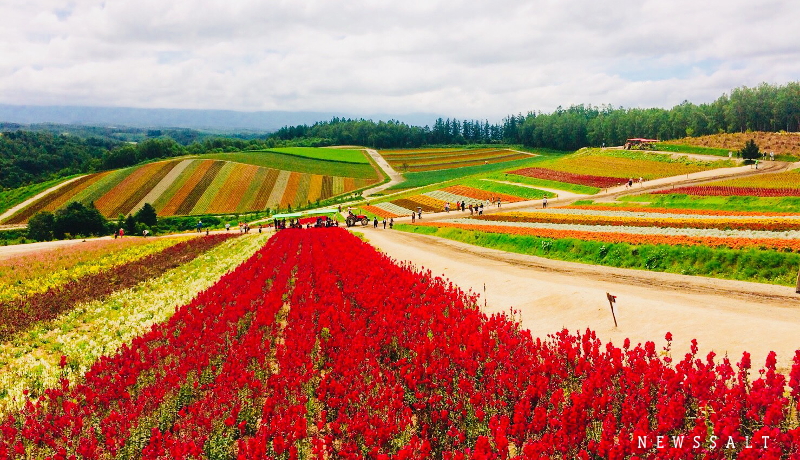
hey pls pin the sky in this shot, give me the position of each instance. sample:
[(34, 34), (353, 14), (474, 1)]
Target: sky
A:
[(475, 59)]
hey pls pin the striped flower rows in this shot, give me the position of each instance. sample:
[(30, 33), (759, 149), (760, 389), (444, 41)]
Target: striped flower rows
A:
[(30, 361), (568, 177), (431, 159), (627, 219), (189, 187), (29, 274), (722, 190), (590, 233), (625, 165), (781, 180), (632, 229), (436, 200), (301, 357), (695, 213), (20, 313)]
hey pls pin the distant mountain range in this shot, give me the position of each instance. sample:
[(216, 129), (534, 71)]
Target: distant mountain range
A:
[(217, 120)]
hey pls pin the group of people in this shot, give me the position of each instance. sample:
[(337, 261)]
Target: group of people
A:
[(629, 184), (390, 222), (324, 222), (244, 227)]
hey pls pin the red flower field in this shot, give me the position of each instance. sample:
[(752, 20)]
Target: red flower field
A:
[(297, 354)]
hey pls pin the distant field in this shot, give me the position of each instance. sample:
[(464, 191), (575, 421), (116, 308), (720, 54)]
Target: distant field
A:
[(678, 148), (418, 160), (298, 163), (780, 143), (13, 197), (608, 168), (343, 155), (472, 191), (419, 179), (727, 203), (763, 185), (195, 186), (532, 181)]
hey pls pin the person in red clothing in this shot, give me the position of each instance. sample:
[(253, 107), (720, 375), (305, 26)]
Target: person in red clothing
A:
[(121, 232)]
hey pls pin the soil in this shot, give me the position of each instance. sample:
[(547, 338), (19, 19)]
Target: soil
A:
[(728, 317)]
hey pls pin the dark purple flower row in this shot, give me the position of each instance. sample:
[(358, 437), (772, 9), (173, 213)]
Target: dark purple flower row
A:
[(19, 314)]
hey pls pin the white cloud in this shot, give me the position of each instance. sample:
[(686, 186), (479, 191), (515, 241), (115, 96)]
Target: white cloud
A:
[(458, 58)]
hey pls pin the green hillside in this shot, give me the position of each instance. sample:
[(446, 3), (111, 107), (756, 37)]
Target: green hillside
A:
[(212, 184)]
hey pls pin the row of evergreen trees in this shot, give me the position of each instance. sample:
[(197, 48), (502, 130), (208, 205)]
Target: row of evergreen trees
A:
[(763, 108), (29, 157)]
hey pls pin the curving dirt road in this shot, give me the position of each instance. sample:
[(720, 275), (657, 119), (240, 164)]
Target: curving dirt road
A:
[(728, 317)]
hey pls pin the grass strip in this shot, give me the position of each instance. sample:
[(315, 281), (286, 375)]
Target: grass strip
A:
[(291, 162), (30, 360), (755, 265), (22, 313), (677, 148)]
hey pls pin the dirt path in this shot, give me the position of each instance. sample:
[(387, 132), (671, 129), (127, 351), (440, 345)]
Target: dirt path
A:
[(724, 316), (395, 177)]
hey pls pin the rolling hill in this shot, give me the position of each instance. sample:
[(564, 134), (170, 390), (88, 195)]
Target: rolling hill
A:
[(216, 183)]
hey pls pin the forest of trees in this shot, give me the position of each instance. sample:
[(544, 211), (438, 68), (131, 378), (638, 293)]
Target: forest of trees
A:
[(763, 108), (34, 156)]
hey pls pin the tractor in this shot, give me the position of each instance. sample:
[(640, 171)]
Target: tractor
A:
[(353, 219)]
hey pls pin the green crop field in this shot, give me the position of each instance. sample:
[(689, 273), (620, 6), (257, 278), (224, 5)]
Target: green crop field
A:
[(298, 163), (326, 154), (692, 149)]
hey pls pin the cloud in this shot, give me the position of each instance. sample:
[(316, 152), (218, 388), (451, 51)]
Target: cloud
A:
[(459, 58)]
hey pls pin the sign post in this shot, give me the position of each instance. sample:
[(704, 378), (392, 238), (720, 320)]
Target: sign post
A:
[(612, 299)]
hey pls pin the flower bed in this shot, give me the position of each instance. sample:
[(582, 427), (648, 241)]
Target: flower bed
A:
[(629, 235), (279, 362), (481, 195), (30, 360), (34, 273), (721, 190), (611, 218), (571, 178), (20, 313)]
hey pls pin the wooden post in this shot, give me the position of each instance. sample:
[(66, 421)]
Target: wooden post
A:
[(611, 300), (797, 289)]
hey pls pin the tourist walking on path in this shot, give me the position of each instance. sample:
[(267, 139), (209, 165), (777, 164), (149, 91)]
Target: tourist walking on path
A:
[(544, 202), (375, 223), (391, 222), (384, 223)]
